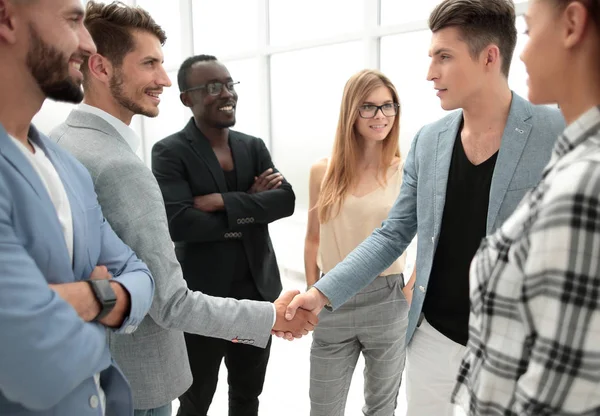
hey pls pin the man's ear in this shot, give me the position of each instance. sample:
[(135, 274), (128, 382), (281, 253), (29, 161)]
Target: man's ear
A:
[(185, 99), (99, 67), (8, 22), (492, 56)]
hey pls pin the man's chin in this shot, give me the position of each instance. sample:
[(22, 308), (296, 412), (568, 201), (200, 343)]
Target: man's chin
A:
[(224, 124), (65, 91), (150, 112)]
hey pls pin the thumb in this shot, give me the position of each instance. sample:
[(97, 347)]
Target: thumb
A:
[(287, 296), (296, 303)]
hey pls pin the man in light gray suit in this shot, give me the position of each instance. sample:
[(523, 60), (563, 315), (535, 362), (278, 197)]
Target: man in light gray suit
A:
[(125, 78), (463, 177)]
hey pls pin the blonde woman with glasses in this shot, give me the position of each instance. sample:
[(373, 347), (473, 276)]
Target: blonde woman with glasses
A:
[(350, 195)]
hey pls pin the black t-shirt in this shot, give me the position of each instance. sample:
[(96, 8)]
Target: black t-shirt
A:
[(446, 305)]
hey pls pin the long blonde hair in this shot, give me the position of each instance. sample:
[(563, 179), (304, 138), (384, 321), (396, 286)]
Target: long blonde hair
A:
[(342, 171)]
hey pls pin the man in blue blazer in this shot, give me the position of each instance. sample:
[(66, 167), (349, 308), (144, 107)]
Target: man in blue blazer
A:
[(464, 176), (65, 277)]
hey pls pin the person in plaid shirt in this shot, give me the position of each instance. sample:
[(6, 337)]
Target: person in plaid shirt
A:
[(534, 328)]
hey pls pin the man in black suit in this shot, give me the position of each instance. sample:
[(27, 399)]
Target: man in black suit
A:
[(221, 191)]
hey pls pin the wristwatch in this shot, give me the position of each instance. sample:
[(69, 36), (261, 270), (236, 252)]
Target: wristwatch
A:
[(105, 295)]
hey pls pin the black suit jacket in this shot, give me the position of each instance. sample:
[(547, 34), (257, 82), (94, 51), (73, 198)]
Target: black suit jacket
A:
[(186, 166)]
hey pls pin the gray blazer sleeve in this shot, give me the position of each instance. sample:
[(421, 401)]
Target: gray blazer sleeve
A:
[(136, 211)]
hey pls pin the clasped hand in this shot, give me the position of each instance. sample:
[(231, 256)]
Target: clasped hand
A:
[(293, 306)]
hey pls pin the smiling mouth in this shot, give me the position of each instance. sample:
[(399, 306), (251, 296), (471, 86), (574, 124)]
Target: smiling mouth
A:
[(227, 108), (378, 126), (154, 94)]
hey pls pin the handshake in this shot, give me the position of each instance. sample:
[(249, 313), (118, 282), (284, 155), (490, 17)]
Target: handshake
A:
[(297, 313)]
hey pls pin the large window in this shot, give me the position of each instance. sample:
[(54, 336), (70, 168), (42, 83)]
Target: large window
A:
[(306, 90), (301, 21), (517, 76), (172, 117), (292, 60), (168, 15), (398, 12), (404, 58), (225, 27), (252, 109)]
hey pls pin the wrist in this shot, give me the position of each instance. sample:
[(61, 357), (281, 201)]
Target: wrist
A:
[(321, 298), (104, 295), (93, 305)]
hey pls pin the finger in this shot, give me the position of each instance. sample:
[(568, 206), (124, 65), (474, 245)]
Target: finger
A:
[(308, 327), (100, 272), (278, 334), (296, 303), (274, 182), (272, 176), (265, 173), (277, 185), (289, 336)]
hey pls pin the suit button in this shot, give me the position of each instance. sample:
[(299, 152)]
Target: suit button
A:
[(227, 235), (239, 221), (252, 220), (94, 401), (240, 234), (422, 289)]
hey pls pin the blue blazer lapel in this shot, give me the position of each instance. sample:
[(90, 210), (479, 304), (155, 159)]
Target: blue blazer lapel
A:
[(513, 142), (443, 157), (77, 213), (17, 159)]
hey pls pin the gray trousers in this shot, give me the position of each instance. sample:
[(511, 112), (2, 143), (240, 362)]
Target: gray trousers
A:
[(373, 322)]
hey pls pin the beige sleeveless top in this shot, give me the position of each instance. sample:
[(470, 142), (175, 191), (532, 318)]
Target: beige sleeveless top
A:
[(356, 220)]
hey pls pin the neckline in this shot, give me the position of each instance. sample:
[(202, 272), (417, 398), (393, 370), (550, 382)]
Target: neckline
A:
[(397, 172)]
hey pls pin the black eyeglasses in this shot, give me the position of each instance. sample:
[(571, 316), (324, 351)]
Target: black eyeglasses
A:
[(215, 88), (370, 110)]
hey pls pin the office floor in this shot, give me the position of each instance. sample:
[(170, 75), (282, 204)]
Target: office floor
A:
[(286, 384)]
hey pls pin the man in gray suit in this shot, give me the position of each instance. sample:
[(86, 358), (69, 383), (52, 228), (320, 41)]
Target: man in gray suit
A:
[(463, 177), (125, 78)]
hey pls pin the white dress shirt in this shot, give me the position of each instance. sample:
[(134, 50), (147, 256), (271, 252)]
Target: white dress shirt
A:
[(123, 129)]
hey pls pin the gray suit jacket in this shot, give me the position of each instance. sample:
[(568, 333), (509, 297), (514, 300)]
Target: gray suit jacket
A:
[(527, 143), (154, 358)]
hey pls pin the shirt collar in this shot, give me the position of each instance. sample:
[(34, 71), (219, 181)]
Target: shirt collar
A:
[(123, 129), (577, 132)]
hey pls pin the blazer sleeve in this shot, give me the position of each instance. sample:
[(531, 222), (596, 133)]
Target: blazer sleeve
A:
[(265, 207), (382, 247), (185, 222), (143, 226), (130, 272), (46, 349)]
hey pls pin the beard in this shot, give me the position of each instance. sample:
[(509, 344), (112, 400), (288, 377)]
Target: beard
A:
[(50, 68), (115, 84)]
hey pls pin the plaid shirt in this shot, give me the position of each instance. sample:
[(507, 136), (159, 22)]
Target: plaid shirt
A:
[(534, 326)]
